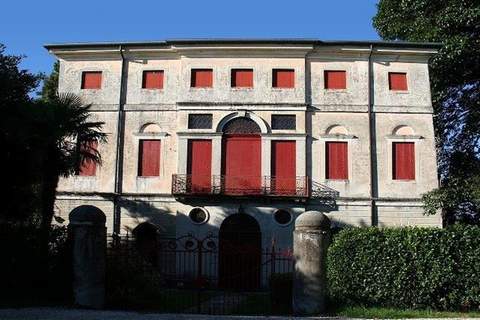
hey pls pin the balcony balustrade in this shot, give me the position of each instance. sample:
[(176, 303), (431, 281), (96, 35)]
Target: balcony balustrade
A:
[(297, 187)]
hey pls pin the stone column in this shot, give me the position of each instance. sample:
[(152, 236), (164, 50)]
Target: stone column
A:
[(310, 242), (88, 234)]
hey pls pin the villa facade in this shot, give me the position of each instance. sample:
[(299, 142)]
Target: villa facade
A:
[(200, 131)]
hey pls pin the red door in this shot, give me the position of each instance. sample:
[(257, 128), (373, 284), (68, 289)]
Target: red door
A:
[(199, 166), (284, 168), (242, 164)]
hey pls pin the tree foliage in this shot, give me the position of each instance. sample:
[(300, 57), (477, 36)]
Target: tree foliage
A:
[(42, 139), (455, 79)]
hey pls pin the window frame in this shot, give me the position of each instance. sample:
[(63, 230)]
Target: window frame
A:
[(389, 82), (325, 77), (193, 71), (86, 72), (274, 78), (144, 72)]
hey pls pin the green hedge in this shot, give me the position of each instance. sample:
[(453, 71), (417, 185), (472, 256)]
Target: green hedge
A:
[(406, 267)]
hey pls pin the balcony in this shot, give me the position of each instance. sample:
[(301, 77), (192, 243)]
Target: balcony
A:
[(270, 186)]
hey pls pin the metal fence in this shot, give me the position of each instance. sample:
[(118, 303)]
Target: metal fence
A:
[(191, 275)]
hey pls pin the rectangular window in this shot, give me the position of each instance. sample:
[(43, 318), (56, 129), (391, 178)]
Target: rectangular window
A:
[(87, 168), (397, 81), (152, 79), (336, 160), (284, 122), (335, 79), (149, 158), (283, 78), (91, 80), (403, 165), (202, 78), (199, 121), (242, 78), (199, 165)]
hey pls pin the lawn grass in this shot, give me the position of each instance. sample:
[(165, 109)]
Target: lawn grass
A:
[(391, 313)]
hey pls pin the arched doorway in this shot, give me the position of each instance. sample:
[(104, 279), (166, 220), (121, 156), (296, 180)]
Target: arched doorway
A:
[(240, 253), (241, 157)]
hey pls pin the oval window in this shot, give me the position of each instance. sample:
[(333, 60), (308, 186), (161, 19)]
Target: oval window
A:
[(198, 215), (282, 217)]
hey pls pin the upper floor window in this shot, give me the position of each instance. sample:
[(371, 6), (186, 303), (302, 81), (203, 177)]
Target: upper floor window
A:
[(92, 80), (397, 81), (87, 167), (403, 154), (284, 122), (336, 160), (152, 79), (335, 79), (242, 78), (202, 78), (149, 158), (199, 121), (283, 78)]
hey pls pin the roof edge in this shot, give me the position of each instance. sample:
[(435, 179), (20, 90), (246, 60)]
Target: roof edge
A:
[(298, 41)]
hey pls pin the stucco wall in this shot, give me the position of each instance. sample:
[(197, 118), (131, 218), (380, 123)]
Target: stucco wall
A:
[(316, 108)]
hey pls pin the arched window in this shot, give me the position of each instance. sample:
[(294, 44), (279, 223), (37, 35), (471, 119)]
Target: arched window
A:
[(241, 125)]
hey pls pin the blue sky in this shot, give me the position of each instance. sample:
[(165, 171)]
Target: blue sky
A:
[(26, 25)]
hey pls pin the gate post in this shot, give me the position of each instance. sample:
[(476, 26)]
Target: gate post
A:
[(310, 242), (89, 241)]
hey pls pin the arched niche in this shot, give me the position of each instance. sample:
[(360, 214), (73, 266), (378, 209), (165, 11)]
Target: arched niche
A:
[(337, 130), (403, 131), (150, 128)]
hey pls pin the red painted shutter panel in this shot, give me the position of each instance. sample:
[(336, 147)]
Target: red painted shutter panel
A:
[(242, 164), (92, 80), (149, 161), (284, 167), (283, 78), (242, 78), (202, 78), (335, 79), (397, 81), (337, 160), (88, 167), (403, 160), (199, 165), (152, 80)]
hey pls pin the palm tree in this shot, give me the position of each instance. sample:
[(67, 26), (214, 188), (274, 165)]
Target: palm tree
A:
[(69, 135)]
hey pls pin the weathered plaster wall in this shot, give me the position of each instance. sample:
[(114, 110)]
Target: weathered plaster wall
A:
[(169, 109)]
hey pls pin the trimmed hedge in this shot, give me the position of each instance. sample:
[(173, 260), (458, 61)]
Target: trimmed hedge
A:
[(406, 267)]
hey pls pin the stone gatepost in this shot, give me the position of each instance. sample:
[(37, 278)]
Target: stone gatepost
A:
[(310, 242), (89, 240)]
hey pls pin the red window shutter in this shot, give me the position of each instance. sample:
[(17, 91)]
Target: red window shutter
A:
[(403, 160), (335, 79), (199, 165), (92, 80), (88, 167), (397, 81), (283, 78), (336, 160), (242, 78), (149, 158), (202, 78), (283, 167), (152, 79)]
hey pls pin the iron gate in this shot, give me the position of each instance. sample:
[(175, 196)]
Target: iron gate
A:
[(197, 275)]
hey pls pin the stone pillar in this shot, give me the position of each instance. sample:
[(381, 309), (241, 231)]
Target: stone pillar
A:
[(310, 242), (88, 234)]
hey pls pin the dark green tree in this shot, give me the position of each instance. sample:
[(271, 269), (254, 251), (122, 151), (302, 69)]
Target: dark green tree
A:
[(50, 84), (455, 79)]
